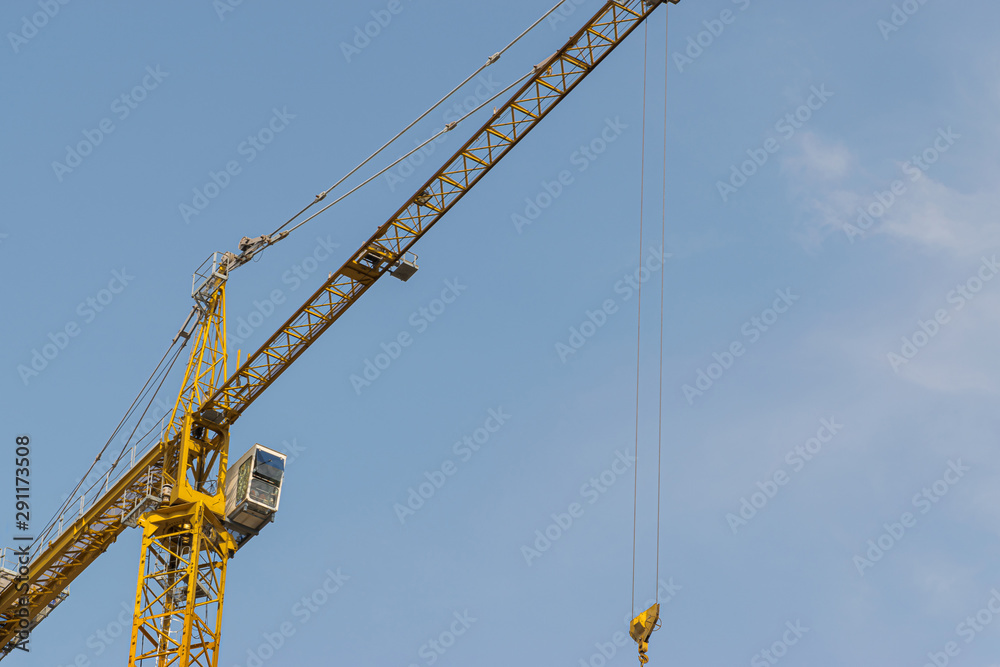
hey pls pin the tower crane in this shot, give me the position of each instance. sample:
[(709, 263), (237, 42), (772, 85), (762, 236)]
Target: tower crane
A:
[(177, 491)]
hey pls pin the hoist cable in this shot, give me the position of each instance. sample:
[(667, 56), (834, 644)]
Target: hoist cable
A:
[(405, 156), (489, 61), (157, 372), (638, 337), (138, 422), (663, 270)]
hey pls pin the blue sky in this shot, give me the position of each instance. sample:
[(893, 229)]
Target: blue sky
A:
[(831, 244)]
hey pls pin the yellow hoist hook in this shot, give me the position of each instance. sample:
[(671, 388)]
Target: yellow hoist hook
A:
[(642, 627)]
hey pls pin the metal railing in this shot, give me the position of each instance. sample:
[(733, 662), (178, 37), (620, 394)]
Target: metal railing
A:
[(96, 492)]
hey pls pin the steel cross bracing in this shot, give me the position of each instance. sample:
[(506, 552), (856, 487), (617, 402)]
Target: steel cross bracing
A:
[(552, 81), (59, 561), (138, 491), (63, 559), (185, 546)]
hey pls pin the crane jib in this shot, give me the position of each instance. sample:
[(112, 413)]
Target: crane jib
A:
[(553, 79), (72, 551)]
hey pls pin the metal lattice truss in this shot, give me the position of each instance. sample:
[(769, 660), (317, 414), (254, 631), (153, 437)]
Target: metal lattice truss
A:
[(208, 367), (178, 612), (52, 571), (63, 556), (551, 82), (140, 490)]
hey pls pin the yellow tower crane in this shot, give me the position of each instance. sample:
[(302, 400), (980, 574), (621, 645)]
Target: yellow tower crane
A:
[(176, 492)]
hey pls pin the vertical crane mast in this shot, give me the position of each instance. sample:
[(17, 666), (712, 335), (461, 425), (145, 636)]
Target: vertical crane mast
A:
[(176, 490), (185, 545)]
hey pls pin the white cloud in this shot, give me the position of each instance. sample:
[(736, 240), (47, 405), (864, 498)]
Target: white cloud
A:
[(934, 216), (922, 213), (945, 582), (959, 358), (818, 159)]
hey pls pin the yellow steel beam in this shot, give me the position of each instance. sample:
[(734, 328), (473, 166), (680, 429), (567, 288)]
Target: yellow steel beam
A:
[(60, 561), (65, 557), (548, 86)]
